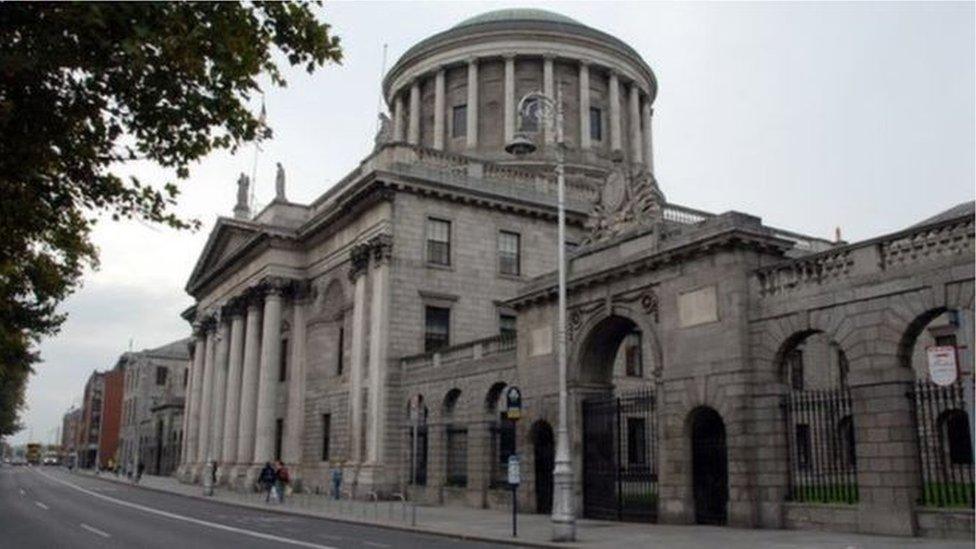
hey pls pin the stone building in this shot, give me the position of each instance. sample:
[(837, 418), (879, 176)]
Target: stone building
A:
[(151, 376), (720, 370)]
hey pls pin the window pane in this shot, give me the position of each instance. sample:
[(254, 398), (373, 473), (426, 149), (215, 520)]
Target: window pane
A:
[(438, 242), (596, 124), (437, 334), (506, 325), (459, 121), (508, 253)]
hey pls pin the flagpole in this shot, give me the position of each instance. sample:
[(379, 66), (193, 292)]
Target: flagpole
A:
[(257, 148)]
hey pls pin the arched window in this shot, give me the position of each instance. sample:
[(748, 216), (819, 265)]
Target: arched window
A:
[(502, 435), (954, 430), (456, 442)]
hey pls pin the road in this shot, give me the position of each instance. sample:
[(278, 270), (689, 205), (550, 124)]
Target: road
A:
[(49, 507)]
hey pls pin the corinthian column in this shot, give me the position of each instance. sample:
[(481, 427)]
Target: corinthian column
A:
[(357, 272), (614, 112), (268, 372), (509, 94), (584, 109), (219, 391), (382, 248), (398, 118), (439, 107), (295, 414), (249, 381), (648, 140), (206, 399), (232, 409), (636, 142), (195, 390), (472, 120), (413, 130)]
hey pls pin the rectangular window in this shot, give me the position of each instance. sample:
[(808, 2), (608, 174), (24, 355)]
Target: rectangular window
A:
[(596, 124), (161, 372), (283, 361), (459, 121), (508, 253), (636, 441), (326, 435), (437, 334), (632, 355), (795, 362), (803, 447), (279, 432), (506, 325), (438, 241), (186, 372), (457, 456), (340, 350)]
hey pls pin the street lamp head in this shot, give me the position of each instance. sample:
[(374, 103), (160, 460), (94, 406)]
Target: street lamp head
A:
[(521, 145)]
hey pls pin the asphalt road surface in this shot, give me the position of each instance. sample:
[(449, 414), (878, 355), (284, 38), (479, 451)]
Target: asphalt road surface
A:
[(49, 507)]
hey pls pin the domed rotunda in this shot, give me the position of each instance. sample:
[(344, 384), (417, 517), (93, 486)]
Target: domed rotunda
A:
[(458, 90)]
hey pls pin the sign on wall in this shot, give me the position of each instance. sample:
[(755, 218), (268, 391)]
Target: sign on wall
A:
[(942, 364), (513, 403)]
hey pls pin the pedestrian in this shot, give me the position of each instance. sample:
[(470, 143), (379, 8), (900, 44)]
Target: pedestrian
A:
[(139, 470), (266, 480), (281, 480), (337, 481)]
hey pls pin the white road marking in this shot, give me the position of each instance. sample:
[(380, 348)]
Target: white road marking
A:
[(374, 544), (41, 505), (214, 525), (94, 530)]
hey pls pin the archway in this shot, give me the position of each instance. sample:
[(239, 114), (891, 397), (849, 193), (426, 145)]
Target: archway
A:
[(619, 421), (543, 445), (709, 464)]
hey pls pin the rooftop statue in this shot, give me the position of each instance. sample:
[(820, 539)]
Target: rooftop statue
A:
[(280, 184), (384, 134), (626, 202)]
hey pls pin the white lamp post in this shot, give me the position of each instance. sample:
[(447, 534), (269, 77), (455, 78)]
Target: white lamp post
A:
[(549, 111)]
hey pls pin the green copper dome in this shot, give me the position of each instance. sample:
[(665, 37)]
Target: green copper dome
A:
[(520, 14)]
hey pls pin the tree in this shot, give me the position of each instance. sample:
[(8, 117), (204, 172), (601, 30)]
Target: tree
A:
[(85, 87)]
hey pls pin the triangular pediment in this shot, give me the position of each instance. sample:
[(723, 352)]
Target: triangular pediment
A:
[(227, 238)]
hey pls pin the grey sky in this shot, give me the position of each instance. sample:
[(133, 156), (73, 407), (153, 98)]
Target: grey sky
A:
[(810, 115)]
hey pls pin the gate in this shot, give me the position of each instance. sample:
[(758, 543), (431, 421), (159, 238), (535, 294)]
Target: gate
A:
[(620, 457), (709, 466)]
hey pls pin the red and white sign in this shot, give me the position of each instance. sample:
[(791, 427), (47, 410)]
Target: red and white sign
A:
[(942, 364)]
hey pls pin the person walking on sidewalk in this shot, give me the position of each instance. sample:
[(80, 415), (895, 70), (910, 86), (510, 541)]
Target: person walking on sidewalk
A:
[(266, 480), (281, 480)]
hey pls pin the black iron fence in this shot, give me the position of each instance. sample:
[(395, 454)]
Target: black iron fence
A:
[(820, 431), (944, 444), (620, 457)]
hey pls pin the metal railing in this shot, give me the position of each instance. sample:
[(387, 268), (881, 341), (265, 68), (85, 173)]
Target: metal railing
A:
[(944, 445)]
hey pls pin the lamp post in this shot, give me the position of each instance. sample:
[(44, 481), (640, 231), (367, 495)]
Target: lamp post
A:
[(549, 112)]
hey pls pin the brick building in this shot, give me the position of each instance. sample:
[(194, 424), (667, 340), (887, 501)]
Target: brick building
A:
[(720, 370)]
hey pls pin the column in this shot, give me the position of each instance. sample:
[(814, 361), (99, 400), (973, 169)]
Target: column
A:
[(235, 368), (249, 382), (382, 250), (398, 118), (357, 272), (614, 112), (195, 390), (413, 135), (291, 452), (509, 95), (584, 109), (219, 391), (206, 400), (264, 437), (648, 141), (634, 118), (549, 89), (439, 110), (472, 135)]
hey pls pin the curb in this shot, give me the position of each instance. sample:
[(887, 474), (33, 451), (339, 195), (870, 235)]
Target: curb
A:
[(346, 520)]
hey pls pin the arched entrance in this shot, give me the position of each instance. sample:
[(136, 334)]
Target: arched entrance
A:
[(543, 444), (709, 464), (619, 422)]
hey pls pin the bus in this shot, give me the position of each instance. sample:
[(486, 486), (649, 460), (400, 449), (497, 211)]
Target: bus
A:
[(33, 453)]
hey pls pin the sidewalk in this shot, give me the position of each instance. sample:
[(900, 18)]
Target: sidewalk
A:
[(534, 530)]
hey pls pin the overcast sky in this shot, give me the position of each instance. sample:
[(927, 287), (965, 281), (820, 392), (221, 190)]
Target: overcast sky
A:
[(808, 115)]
